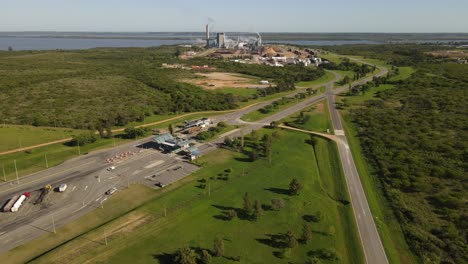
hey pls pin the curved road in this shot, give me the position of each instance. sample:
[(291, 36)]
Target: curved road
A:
[(86, 166)]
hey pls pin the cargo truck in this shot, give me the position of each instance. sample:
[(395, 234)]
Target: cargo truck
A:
[(19, 202), (11, 202)]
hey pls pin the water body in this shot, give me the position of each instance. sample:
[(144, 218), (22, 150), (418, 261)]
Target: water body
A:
[(83, 40)]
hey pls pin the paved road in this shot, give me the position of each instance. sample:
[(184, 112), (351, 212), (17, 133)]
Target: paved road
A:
[(88, 178), (372, 245)]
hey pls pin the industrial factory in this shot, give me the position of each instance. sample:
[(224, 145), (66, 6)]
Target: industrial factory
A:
[(248, 48), (245, 42)]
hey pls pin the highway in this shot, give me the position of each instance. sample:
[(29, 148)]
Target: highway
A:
[(88, 178)]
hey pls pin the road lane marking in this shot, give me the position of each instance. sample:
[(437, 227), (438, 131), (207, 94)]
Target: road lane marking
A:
[(99, 198), (85, 188), (154, 164), (103, 200), (74, 187)]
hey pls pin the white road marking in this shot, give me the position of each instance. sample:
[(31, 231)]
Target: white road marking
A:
[(74, 187), (103, 200), (2, 233), (154, 164), (98, 199), (85, 188)]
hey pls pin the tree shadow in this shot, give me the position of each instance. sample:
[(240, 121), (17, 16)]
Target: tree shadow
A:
[(311, 218), (241, 214), (164, 258), (243, 159), (277, 190), (273, 240)]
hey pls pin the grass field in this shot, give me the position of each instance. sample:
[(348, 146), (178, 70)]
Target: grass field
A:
[(316, 118), (405, 73), (358, 100), (17, 136), (324, 79), (194, 219)]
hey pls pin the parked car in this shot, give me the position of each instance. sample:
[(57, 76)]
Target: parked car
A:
[(178, 168), (111, 168), (62, 187), (111, 191), (160, 184)]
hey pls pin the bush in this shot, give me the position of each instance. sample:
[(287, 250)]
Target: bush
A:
[(83, 139)]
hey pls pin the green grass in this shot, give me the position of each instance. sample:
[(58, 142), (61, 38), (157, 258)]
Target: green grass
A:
[(316, 118), (193, 216), (359, 100), (324, 79), (17, 136), (237, 91), (258, 115), (405, 73)]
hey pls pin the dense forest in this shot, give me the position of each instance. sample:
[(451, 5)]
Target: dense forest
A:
[(416, 138), (112, 86)]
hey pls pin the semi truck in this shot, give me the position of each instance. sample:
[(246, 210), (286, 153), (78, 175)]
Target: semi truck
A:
[(19, 202)]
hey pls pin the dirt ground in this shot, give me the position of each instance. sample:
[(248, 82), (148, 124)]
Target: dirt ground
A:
[(319, 107), (217, 80), (450, 53)]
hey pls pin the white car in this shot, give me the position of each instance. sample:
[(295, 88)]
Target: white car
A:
[(62, 187), (111, 191), (111, 168)]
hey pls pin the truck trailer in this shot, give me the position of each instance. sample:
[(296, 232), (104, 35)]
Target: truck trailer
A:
[(11, 202), (19, 202)]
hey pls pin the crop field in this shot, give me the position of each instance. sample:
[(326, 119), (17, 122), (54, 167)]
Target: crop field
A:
[(196, 212)]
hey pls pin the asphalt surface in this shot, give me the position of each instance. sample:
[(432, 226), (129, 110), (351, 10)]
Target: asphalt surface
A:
[(88, 179), (371, 243)]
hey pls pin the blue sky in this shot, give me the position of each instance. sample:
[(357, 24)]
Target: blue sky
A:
[(235, 15)]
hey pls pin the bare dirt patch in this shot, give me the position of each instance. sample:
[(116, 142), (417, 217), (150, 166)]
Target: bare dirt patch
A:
[(454, 54), (319, 108), (217, 80)]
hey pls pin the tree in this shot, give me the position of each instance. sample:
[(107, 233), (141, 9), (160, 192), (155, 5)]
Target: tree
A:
[(185, 256), (131, 132), (306, 233), (247, 204), (258, 210), (254, 136), (277, 203), (254, 155), (10, 48), (219, 247), (291, 240), (274, 124), (294, 187), (205, 257), (232, 214), (171, 129), (177, 53), (267, 141)]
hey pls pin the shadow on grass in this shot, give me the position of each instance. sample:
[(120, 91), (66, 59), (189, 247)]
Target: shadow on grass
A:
[(278, 190), (164, 258), (273, 240), (241, 214)]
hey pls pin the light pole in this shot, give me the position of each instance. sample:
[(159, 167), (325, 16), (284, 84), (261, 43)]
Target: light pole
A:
[(105, 236), (16, 171), (79, 151), (47, 163), (4, 174)]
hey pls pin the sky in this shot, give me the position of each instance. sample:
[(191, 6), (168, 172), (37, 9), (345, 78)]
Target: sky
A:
[(237, 15)]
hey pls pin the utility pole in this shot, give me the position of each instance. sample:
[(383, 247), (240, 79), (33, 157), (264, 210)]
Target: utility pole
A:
[(16, 170), (113, 139), (4, 174), (47, 163), (79, 151), (102, 206), (243, 172), (105, 236), (209, 189), (53, 224), (165, 211)]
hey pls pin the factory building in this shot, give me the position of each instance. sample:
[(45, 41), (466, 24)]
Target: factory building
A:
[(168, 143), (220, 38)]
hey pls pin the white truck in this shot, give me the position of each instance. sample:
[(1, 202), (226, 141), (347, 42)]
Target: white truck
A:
[(18, 203)]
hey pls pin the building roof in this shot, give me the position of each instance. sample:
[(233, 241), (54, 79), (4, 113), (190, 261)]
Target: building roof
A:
[(163, 138)]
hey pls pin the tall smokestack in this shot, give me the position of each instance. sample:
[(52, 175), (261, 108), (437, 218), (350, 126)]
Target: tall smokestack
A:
[(207, 35)]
